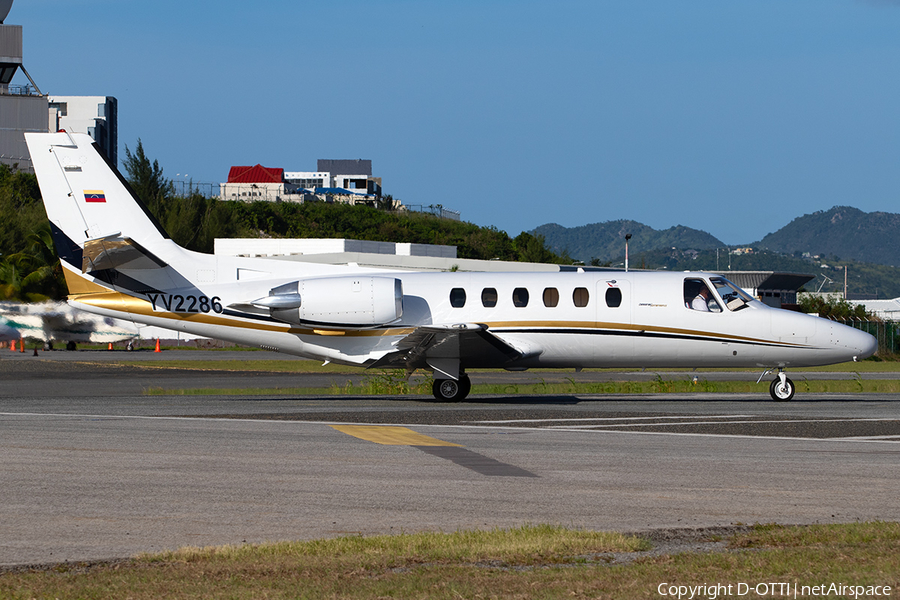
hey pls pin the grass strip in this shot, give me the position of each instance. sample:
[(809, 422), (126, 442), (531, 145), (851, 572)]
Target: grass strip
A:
[(540, 561), (659, 386)]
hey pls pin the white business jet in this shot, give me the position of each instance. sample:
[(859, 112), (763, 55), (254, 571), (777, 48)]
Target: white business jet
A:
[(119, 263)]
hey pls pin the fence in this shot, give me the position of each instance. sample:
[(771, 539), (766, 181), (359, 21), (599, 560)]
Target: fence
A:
[(15, 89), (189, 188), (434, 209), (886, 332)]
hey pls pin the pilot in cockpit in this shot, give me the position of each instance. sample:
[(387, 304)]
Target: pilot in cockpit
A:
[(698, 297)]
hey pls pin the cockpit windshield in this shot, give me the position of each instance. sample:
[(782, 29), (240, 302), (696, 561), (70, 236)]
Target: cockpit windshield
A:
[(734, 297)]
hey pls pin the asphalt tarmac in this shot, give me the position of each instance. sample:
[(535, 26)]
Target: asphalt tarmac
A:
[(95, 469)]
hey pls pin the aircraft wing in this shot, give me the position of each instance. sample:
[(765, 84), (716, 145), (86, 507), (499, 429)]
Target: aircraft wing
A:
[(446, 348)]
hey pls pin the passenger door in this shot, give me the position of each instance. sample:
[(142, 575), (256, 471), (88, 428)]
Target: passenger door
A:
[(615, 343)]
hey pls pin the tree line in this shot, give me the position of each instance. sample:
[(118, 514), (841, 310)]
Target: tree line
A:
[(29, 267), (30, 270)]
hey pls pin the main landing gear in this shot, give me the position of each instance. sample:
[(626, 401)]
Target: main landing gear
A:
[(452, 390), (782, 389)]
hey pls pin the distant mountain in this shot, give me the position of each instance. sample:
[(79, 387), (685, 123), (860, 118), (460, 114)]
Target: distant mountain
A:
[(843, 231), (606, 241)]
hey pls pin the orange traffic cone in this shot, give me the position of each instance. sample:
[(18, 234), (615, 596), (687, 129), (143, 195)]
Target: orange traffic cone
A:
[(157, 346), (110, 346), (12, 345), (21, 345)]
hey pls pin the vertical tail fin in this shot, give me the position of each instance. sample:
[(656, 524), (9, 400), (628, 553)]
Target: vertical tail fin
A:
[(85, 197), (98, 225)]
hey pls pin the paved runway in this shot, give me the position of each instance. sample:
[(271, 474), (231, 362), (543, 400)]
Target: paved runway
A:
[(92, 469)]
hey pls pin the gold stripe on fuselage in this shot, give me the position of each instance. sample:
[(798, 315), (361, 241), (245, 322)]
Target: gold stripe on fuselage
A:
[(499, 326)]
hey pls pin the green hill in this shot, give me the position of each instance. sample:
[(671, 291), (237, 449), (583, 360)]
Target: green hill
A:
[(605, 241), (843, 231)]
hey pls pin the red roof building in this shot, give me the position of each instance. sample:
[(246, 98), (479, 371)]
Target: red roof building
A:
[(255, 174), (250, 184)]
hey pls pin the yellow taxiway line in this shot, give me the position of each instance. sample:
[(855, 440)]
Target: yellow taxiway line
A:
[(391, 435)]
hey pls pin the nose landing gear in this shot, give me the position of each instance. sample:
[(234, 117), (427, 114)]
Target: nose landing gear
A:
[(782, 389)]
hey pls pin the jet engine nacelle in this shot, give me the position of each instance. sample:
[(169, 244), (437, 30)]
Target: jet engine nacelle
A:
[(337, 302)]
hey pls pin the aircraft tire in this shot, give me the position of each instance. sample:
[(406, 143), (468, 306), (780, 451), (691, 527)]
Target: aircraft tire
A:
[(450, 390), (782, 393), (466, 384)]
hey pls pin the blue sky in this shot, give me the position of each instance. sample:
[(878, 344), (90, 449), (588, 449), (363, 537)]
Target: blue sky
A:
[(731, 117)]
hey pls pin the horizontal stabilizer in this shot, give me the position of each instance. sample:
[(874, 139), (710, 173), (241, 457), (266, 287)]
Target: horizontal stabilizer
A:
[(116, 252)]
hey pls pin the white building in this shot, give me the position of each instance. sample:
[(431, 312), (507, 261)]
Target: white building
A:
[(23, 108), (96, 116), (889, 310), (309, 180), (384, 255), (304, 246), (253, 192)]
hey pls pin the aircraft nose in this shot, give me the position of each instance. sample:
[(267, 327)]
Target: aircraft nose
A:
[(865, 343), (868, 346)]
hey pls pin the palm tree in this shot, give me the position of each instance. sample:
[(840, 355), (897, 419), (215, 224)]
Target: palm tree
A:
[(10, 281), (34, 274)]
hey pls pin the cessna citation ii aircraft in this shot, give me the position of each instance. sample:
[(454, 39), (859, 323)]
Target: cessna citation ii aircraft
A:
[(119, 263)]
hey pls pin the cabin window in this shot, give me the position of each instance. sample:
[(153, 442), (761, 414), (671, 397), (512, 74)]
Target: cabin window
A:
[(551, 297), (457, 297), (614, 297), (581, 297), (520, 297), (698, 297), (489, 297)]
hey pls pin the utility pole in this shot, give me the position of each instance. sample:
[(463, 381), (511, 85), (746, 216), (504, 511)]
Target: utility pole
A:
[(627, 237), (845, 282)]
